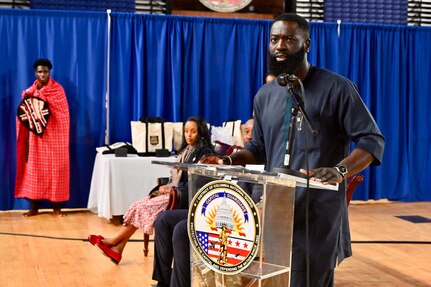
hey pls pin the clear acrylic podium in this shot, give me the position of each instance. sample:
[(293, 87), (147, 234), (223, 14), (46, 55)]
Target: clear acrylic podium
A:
[(271, 266)]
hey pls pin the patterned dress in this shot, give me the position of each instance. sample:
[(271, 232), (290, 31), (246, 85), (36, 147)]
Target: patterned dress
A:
[(43, 168)]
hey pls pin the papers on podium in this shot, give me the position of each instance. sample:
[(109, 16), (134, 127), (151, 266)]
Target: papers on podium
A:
[(238, 169)]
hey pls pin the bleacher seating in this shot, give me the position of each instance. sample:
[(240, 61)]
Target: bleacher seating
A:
[(367, 11), (402, 12), (138, 6), (94, 5)]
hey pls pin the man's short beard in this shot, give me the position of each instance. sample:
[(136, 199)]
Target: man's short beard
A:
[(290, 66)]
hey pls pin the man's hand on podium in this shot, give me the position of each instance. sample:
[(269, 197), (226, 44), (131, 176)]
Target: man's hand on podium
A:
[(324, 175)]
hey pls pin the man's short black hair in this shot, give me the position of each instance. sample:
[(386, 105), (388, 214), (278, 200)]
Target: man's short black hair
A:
[(42, 62), (303, 24)]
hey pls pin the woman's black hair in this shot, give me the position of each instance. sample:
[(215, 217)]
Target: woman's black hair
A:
[(204, 137)]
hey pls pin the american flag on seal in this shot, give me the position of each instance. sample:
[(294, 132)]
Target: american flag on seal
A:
[(238, 249)]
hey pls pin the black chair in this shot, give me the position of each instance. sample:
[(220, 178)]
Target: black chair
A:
[(222, 148)]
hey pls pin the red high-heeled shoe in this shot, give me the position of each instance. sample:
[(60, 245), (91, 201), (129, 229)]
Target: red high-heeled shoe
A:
[(93, 239), (114, 256)]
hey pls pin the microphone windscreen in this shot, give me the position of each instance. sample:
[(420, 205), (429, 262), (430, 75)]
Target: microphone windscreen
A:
[(282, 79)]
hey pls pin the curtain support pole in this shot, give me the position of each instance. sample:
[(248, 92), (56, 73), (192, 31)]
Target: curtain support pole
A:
[(108, 65)]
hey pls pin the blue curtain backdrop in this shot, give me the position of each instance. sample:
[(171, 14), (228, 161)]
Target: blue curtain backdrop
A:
[(324, 50), (175, 67), (76, 45), (391, 65)]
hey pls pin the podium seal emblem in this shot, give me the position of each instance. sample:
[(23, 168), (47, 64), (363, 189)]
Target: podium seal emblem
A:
[(224, 227)]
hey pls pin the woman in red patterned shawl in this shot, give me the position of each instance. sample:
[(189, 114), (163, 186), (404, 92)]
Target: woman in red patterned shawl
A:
[(43, 153)]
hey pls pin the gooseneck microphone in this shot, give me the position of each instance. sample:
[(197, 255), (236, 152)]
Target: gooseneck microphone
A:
[(285, 79), (289, 81)]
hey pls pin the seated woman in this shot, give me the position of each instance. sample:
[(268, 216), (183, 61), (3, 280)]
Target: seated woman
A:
[(142, 214)]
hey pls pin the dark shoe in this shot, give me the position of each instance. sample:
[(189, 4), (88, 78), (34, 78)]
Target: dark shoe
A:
[(93, 239), (114, 256), (31, 212)]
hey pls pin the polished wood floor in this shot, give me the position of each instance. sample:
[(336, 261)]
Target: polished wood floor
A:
[(49, 251)]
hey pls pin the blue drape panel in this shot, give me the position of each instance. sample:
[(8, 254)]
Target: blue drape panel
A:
[(324, 46), (175, 67), (76, 44), (391, 65), (418, 116)]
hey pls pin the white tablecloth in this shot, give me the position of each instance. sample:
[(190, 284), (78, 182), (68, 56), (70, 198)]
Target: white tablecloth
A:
[(117, 182)]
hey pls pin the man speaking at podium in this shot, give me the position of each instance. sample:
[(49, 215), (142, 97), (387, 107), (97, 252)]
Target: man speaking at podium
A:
[(337, 112)]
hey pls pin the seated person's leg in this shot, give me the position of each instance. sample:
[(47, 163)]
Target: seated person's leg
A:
[(257, 192), (163, 248), (181, 270)]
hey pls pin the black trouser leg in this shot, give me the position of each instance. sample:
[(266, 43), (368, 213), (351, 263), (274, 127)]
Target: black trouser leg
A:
[(163, 245), (181, 272)]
